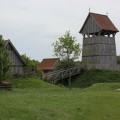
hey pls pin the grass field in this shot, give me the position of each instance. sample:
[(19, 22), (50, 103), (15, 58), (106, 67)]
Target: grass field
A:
[(33, 99)]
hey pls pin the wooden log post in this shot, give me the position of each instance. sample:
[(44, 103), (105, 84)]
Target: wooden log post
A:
[(69, 78)]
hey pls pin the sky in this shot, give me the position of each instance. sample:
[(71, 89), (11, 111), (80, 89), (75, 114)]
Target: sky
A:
[(33, 25)]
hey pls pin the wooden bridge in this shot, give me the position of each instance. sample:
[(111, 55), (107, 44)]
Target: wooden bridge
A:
[(54, 76)]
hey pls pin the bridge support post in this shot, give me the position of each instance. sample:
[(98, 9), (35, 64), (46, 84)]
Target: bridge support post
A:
[(69, 79), (62, 78)]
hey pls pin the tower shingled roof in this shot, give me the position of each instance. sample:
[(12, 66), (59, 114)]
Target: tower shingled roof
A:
[(103, 21)]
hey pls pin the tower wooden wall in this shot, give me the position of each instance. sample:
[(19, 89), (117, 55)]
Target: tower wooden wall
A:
[(99, 48)]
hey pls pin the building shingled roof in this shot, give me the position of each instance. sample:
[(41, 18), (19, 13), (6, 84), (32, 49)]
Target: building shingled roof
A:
[(103, 22), (48, 64)]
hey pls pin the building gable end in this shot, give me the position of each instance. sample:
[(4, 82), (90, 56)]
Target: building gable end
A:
[(8, 43), (90, 26)]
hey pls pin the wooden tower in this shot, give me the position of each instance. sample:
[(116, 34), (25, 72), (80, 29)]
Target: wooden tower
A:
[(99, 48)]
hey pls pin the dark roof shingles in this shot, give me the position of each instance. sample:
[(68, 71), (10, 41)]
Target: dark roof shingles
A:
[(48, 64), (104, 22)]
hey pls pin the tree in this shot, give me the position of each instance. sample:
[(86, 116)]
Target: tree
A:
[(31, 64), (118, 59), (5, 62), (67, 49)]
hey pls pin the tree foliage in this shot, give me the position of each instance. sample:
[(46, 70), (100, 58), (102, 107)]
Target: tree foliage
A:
[(5, 62), (118, 59), (67, 49), (31, 64)]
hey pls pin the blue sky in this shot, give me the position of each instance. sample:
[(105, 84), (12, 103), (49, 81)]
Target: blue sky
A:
[(33, 25)]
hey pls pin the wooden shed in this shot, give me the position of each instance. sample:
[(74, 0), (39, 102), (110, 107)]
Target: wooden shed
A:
[(18, 65), (99, 48), (48, 64)]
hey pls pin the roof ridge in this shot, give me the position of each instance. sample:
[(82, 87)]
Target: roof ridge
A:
[(98, 14)]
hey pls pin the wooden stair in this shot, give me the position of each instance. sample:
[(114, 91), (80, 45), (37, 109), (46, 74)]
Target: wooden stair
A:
[(54, 76)]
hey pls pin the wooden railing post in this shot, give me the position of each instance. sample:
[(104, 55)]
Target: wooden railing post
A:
[(61, 74), (69, 78), (62, 77)]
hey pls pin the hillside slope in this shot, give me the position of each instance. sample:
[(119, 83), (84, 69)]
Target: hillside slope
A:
[(89, 77), (31, 83)]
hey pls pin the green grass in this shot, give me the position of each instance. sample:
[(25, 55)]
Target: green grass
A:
[(33, 99), (31, 83), (89, 77)]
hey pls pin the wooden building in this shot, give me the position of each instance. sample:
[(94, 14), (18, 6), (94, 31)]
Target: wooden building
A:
[(48, 64), (18, 65), (99, 48)]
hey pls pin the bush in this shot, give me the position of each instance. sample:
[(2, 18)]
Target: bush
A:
[(4, 61), (89, 77), (39, 74)]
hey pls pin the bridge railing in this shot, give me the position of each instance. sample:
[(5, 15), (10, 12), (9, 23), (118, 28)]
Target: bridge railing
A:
[(61, 74)]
